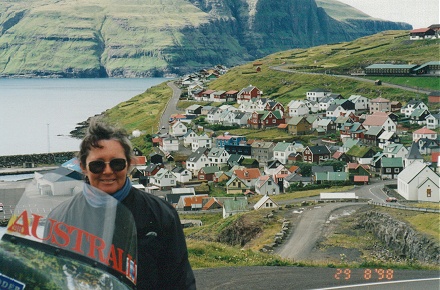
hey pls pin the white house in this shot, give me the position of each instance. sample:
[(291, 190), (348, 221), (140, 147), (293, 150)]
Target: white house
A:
[(360, 102), (164, 178), (201, 141), (265, 185), (189, 138), (297, 108), (411, 106), (60, 181), (380, 119), (178, 129), (213, 115), (395, 150), (432, 121), (282, 150), (317, 94), (170, 144), (218, 157), (265, 202), (197, 160), (424, 133), (182, 175), (419, 182)]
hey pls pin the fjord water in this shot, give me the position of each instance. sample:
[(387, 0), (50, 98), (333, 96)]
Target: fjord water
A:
[(36, 115)]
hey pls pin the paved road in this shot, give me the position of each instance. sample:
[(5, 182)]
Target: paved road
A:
[(170, 109), (302, 241), (286, 278)]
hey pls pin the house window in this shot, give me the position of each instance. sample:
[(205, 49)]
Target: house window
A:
[(388, 170), (428, 192), (172, 181), (269, 182), (396, 170)]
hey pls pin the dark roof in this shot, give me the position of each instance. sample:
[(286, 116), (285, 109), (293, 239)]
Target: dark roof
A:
[(319, 149), (326, 168)]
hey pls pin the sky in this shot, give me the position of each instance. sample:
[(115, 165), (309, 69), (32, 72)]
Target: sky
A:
[(418, 13)]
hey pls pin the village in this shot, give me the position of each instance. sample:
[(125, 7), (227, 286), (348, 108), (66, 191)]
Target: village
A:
[(355, 139)]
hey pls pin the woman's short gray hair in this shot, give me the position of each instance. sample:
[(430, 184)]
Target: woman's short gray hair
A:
[(100, 130)]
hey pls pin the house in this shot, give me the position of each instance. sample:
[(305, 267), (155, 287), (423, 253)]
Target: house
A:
[(226, 139), (327, 125), (248, 175), (360, 103), (418, 116), (361, 154), (178, 129), (316, 154), (432, 121), (388, 137), (341, 156), (236, 205), (297, 108), (218, 157), (380, 119), (250, 163), (419, 182), (428, 146), (424, 133), (164, 179), (194, 110), (182, 175), (248, 93), (422, 33), (197, 160), (242, 149), (396, 106), (266, 185), (411, 106), (282, 150), (299, 126), (330, 177), (265, 119), (265, 202), (317, 94), (380, 105), (221, 176), (169, 144), (391, 167), (207, 173), (352, 130), (189, 138), (213, 115), (235, 160), (271, 166), (296, 179), (191, 202), (212, 203), (434, 97), (371, 136), (231, 96), (395, 150), (202, 141), (262, 151), (236, 186)]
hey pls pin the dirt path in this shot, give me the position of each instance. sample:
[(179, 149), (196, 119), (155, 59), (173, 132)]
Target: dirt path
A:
[(300, 244)]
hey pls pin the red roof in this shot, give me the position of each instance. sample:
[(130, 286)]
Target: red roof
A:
[(435, 157), (247, 173), (419, 30), (360, 178), (139, 160), (424, 130)]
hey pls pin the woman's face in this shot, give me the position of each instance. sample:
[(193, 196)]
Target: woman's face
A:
[(108, 180)]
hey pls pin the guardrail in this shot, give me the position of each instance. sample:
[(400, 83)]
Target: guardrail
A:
[(399, 206)]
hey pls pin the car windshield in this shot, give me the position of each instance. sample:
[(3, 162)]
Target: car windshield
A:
[(63, 224)]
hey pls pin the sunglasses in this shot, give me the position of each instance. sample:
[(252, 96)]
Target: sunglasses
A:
[(116, 164)]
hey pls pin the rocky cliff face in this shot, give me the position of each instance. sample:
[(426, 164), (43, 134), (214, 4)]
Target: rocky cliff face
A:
[(400, 237), (133, 39)]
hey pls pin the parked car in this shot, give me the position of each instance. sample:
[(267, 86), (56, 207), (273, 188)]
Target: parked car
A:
[(391, 199), (1, 207)]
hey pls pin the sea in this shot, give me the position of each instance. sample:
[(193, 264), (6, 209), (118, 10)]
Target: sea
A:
[(37, 115)]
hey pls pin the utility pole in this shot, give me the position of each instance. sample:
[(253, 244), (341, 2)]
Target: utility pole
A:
[(48, 139)]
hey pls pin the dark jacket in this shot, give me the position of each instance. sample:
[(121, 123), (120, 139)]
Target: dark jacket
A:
[(162, 253)]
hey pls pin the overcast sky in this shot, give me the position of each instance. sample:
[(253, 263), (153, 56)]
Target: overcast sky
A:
[(418, 13)]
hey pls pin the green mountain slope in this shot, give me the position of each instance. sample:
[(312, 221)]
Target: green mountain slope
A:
[(132, 38)]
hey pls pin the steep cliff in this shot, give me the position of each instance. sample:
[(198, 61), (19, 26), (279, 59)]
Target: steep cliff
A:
[(132, 38)]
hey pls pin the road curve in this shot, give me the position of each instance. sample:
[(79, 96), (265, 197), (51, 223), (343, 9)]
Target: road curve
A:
[(309, 229)]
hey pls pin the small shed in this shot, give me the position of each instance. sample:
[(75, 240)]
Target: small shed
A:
[(338, 196)]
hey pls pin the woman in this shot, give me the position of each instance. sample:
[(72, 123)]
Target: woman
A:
[(105, 157)]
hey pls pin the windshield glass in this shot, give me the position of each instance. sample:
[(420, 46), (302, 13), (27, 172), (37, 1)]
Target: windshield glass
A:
[(78, 226)]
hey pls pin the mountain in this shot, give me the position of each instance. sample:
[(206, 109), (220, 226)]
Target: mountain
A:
[(134, 38)]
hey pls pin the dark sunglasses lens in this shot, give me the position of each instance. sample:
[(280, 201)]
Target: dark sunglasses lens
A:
[(118, 164), (96, 166)]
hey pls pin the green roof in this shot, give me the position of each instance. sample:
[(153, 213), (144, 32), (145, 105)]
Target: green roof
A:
[(235, 204), (337, 176), (358, 151), (392, 162)]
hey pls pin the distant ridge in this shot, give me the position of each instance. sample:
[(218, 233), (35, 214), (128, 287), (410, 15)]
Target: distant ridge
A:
[(109, 38)]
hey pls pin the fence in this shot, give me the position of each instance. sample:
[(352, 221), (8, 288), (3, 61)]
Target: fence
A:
[(399, 206)]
